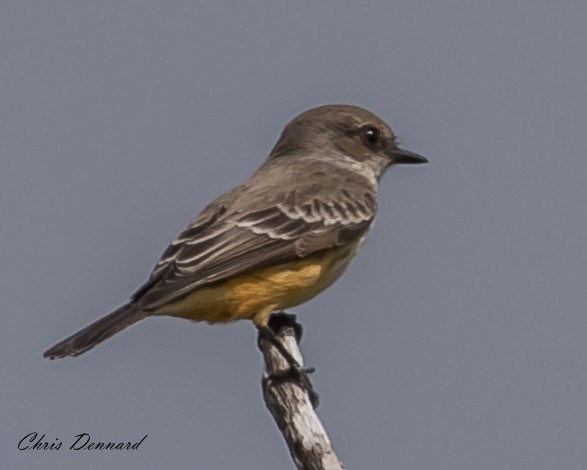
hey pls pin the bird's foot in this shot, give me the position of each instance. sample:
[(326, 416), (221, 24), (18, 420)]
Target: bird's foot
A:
[(296, 373)]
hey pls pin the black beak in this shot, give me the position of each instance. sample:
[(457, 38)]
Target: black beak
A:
[(405, 157)]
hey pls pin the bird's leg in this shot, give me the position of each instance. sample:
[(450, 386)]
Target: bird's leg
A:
[(277, 322), (296, 372)]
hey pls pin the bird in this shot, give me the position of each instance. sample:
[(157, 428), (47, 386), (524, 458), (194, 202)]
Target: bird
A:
[(274, 241)]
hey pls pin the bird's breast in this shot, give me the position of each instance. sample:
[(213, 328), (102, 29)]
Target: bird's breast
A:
[(264, 290)]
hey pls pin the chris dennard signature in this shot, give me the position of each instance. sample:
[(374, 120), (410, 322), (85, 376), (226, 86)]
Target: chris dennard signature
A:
[(83, 441)]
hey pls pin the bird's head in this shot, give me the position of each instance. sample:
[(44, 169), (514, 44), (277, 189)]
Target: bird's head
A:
[(347, 131)]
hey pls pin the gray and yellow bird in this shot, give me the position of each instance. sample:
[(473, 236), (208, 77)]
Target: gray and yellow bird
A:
[(276, 240)]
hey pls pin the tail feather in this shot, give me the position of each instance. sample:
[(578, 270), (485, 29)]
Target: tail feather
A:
[(94, 334)]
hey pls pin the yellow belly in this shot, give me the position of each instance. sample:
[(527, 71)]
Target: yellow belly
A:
[(257, 294)]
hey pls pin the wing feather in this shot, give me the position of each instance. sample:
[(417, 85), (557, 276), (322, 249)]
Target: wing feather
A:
[(222, 242)]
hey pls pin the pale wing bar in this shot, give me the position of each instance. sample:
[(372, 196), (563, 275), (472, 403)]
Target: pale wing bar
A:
[(242, 242)]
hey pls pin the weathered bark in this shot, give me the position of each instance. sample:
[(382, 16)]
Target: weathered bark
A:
[(289, 400)]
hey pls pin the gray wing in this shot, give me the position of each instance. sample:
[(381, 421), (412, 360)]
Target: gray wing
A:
[(246, 231)]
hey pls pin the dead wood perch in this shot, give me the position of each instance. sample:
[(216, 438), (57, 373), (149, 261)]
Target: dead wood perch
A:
[(290, 400)]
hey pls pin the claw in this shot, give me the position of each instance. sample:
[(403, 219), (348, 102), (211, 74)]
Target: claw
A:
[(298, 375)]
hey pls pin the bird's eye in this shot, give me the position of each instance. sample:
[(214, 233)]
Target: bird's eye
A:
[(370, 136)]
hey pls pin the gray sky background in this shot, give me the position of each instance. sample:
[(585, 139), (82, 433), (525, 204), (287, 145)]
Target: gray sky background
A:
[(456, 340)]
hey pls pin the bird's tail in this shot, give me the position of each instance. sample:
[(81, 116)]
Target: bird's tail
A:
[(94, 334)]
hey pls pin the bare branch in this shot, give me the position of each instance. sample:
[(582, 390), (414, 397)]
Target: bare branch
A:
[(289, 400)]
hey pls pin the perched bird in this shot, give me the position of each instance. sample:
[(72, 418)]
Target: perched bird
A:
[(277, 239)]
